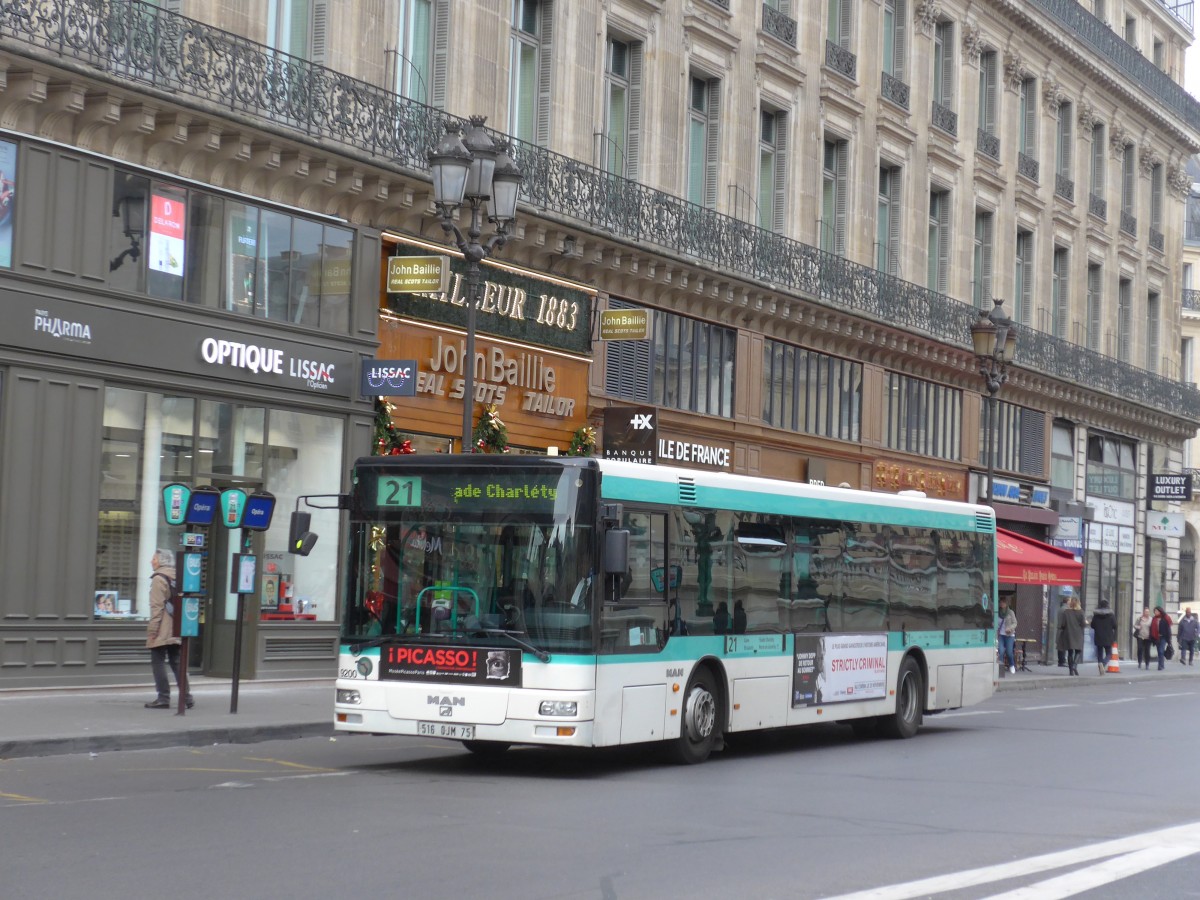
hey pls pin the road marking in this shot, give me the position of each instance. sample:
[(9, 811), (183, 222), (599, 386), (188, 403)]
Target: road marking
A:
[(22, 798), (958, 714), (1050, 706), (1119, 700), (1164, 696), (284, 762), (1181, 840), (1097, 875)]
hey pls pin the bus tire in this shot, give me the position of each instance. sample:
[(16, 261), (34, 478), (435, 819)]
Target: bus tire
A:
[(487, 749), (910, 696), (700, 729)]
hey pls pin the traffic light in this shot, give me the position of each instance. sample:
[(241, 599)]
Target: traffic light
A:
[(300, 539)]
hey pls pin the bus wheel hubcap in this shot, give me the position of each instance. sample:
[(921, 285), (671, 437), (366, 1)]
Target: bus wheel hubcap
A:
[(701, 713)]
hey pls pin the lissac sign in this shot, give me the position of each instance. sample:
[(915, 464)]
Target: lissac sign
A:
[(266, 360)]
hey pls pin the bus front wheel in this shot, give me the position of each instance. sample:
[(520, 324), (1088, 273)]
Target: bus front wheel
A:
[(700, 729), (910, 696)]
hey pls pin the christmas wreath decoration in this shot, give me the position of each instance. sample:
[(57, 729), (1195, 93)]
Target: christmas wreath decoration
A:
[(583, 442), (491, 434), (388, 441)]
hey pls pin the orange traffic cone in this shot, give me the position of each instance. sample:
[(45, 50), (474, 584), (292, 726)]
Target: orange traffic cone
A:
[(1114, 662)]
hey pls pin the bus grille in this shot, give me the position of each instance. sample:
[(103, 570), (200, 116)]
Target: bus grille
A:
[(687, 490), (984, 524)]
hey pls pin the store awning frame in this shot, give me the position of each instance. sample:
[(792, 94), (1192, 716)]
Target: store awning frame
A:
[(1022, 560)]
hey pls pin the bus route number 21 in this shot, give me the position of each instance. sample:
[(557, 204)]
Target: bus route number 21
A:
[(398, 492)]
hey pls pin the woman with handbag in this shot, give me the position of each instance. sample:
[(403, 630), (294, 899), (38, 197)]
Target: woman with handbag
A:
[(1070, 633), (1160, 631)]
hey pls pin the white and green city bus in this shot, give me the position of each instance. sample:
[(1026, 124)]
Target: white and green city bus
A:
[(578, 602)]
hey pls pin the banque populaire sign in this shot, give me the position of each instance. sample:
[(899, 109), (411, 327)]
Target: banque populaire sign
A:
[(519, 306)]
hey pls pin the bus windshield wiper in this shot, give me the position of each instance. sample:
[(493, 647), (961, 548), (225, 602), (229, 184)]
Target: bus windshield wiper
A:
[(515, 637)]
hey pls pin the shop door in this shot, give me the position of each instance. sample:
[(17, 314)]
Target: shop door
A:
[(220, 613)]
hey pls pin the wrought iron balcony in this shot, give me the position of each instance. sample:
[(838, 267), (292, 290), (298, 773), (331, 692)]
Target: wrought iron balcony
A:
[(1157, 240), (137, 42), (1028, 167), (1064, 187), (945, 119), (840, 60), (893, 89), (987, 143), (1128, 223), (1123, 57), (1191, 300), (1098, 206), (778, 25)]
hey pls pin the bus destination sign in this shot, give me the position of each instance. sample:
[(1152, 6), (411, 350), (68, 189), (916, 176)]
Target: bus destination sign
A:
[(451, 665), (471, 491)]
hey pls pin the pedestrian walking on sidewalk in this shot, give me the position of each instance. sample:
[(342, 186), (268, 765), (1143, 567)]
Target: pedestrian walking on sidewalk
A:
[(1063, 598), (160, 636), (1104, 634), (1007, 631), (1160, 633), (1070, 634), (1141, 634), (1189, 630)]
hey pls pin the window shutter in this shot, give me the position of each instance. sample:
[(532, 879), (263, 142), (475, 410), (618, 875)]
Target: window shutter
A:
[(627, 363), (634, 140), (781, 165), (1156, 196), (320, 19), (900, 44), (712, 143), (840, 191), (1094, 306), (844, 24), (989, 94), (946, 76), (986, 278), (943, 248), (893, 238), (545, 66), (1062, 318), (1027, 281), (1098, 161), (1152, 331), (1032, 445), (172, 5), (1064, 139), (441, 52), (1030, 98)]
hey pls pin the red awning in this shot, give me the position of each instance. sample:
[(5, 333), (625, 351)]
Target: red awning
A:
[(1023, 560)]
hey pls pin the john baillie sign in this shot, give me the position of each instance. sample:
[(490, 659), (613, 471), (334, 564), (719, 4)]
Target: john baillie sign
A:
[(517, 305), (1171, 487)]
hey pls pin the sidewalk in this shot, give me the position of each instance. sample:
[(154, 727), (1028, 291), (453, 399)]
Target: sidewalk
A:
[(96, 720), (99, 720)]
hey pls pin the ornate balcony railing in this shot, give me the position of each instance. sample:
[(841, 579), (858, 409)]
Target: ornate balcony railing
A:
[(840, 60), (893, 89), (1098, 206), (1123, 57), (132, 41), (945, 119), (1157, 240), (987, 143), (1028, 167), (1064, 187), (778, 25), (1191, 300), (1128, 223)]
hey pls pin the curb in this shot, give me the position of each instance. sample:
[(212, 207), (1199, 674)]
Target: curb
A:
[(200, 737), (1041, 682)]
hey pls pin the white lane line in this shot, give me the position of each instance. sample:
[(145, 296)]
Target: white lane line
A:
[(1051, 706), (1164, 696), (1119, 700), (1183, 837), (1098, 874), (970, 712)]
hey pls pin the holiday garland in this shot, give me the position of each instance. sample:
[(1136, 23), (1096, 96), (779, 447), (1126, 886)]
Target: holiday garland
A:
[(388, 441), (583, 442), (491, 434)]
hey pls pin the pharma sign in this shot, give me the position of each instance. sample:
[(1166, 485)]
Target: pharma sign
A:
[(450, 665), (516, 305), (838, 668)]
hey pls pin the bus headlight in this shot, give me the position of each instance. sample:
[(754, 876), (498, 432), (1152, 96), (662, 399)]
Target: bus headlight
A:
[(558, 708), (354, 698)]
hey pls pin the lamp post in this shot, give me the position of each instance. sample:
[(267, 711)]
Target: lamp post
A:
[(474, 168), (994, 337)]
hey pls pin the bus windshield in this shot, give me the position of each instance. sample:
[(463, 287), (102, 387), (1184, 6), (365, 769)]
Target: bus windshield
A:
[(480, 552)]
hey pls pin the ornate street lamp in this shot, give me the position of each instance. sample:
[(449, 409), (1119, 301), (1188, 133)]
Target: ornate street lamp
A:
[(474, 169), (994, 337)]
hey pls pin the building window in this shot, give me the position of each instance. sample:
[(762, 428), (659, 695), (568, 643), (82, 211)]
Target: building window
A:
[(1131, 31), (838, 24), (895, 38), (1029, 107), (1128, 179), (1156, 197), (413, 59), (297, 27), (529, 70), (1153, 330), (988, 79), (1095, 305), (1023, 278), (772, 170), (704, 107), (887, 224), (943, 64), (685, 364), (810, 392), (923, 417), (833, 196), (1062, 457), (939, 241), (1160, 55), (1060, 294), (1064, 144), (1111, 467), (150, 440), (621, 144), (981, 263), (1098, 172), (1018, 439), (1124, 319)]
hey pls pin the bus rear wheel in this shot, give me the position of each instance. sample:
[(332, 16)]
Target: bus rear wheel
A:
[(700, 730), (910, 696)]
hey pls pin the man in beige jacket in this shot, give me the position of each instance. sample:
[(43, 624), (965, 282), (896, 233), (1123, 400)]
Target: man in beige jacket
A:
[(160, 636)]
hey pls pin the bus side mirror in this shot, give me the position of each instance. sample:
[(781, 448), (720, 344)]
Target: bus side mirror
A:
[(300, 539), (616, 551)]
